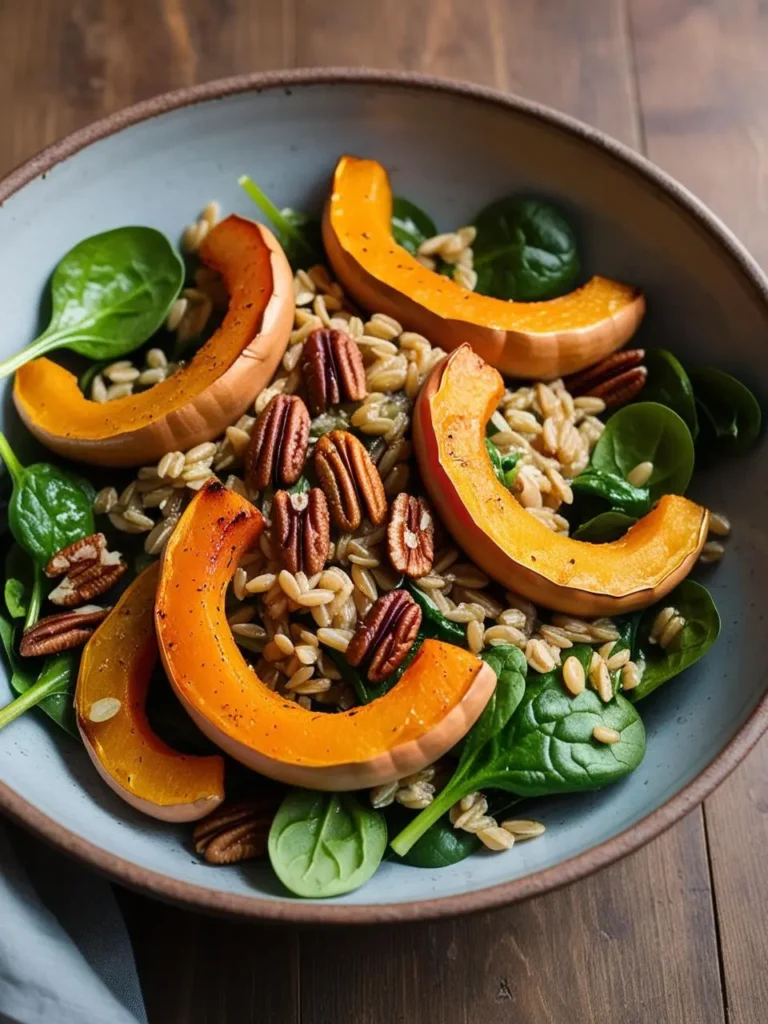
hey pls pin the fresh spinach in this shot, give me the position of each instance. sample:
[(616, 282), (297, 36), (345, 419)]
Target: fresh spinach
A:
[(543, 746), (504, 466), (49, 508), (605, 527), (299, 233), (629, 501), (702, 626), (647, 432), (433, 623), (14, 593), (52, 689), (525, 250), (729, 413), (411, 226), (441, 845), (325, 844), (110, 293), (669, 384)]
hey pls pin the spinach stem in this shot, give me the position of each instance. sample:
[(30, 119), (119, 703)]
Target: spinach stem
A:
[(35, 599), (267, 207), (44, 686), (443, 802), (13, 465), (36, 348)]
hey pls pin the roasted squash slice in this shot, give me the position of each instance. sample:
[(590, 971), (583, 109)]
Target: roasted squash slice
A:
[(537, 340), (112, 686), (433, 705), (511, 545), (201, 399)]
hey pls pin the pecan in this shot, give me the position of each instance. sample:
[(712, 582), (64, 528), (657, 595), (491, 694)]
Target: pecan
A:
[(85, 551), (235, 832), (88, 581), (278, 448), (617, 379), (384, 638), (411, 536), (333, 370), (350, 481), (62, 632), (301, 530)]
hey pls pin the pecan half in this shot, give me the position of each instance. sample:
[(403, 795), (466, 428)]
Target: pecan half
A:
[(617, 379), (278, 448), (62, 632), (333, 370), (85, 551), (411, 536), (384, 638), (235, 832), (350, 481), (88, 581), (301, 529)]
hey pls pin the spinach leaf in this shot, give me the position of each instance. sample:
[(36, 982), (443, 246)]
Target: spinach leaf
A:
[(647, 432), (325, 844), (669, 384), (441, 845), (544, 747), (524, 250), (433, 623), (52, 689), (702, 626), (730, 414), (625, 499), (15, 598), (49, 508), (605, 527), (504, 466), (299, 234), (410, 225), (110, 293)]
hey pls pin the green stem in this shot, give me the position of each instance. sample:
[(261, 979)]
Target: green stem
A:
[(44, 687), (442, 803), (268, 208), (38, 347), (35, 599), (13, 465)]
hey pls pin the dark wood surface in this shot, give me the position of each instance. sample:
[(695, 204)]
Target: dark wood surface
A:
[(675, 934)]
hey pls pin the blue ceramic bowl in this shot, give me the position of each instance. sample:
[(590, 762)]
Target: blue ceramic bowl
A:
[(450, 148)]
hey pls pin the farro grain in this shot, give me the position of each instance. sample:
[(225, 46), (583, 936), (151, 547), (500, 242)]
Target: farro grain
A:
[(539, 656), (556, 637), (671, 631), (604, 734), (573, 676), (630, 676), (719, 524), (103, 710), (523, 829), (156, 359), (505, 635), (98, 389), (313, 598), (660, 622), (475, 636), (158, 536), (138, 519), (171, 465), (640, 474), (250, 630), (148, 378), (495, 838), (600, 678), (105, 500), (383, 796), (712, 551), (119, 391), (589, 405), (618, 660), (176, 314), (244, 614)]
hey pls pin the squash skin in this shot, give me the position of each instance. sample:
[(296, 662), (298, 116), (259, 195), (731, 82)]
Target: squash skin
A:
[(143, 770), (535, 340), (437, 700), (512, 546), (201, 399)]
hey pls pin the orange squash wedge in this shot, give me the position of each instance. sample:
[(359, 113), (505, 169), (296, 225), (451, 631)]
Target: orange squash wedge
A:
[(511, 545), (436, 701), (116, 668), (201, 399), (537, 340)]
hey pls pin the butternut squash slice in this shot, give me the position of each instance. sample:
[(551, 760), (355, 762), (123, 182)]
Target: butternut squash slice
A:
[(115, 673), (436, 701), (201, 399), (537, 340), (511, 545)]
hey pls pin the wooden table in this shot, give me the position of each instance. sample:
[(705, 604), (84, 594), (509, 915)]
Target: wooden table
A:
[(676, 933)]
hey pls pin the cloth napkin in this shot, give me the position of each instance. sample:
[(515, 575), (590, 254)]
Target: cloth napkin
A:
[(65, 955)]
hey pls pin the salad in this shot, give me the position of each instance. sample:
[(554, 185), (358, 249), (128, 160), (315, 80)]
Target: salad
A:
[(355, 540)]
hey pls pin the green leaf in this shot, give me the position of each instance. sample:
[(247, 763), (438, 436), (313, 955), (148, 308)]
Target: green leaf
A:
[(504, 466), (411, 226), (731, 417), (605, 527), (110, 293), (441, 845), (298, 232), (631, 502), (669, 384), (545, 747), (433, 623), (325, 844), (524, 250), (49, 508), (647, 432), (15, 599), (702, 626)]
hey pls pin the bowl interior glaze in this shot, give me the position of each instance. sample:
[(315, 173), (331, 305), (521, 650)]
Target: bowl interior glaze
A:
[(450, 150)]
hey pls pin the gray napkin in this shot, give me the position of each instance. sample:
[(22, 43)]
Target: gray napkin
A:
[(65, 955)]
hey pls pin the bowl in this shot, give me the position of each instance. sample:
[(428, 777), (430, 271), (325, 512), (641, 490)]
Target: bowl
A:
[(450, 148)]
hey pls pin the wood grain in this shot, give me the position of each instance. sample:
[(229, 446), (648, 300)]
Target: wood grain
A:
[(706, 122), (636, 943)]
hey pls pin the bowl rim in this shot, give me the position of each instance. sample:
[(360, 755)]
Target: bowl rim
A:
[(631, 839)]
